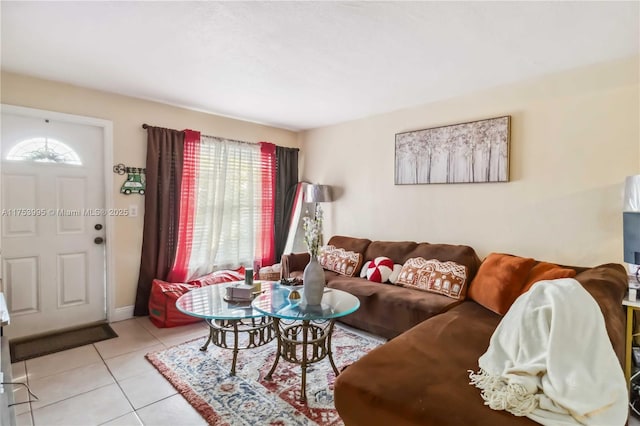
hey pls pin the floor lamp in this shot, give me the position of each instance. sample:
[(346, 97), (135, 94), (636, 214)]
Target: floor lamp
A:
[(631, 223), (305, 195)]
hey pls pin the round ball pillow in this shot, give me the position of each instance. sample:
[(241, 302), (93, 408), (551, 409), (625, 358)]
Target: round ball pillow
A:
[(380, 269), (363, 271)]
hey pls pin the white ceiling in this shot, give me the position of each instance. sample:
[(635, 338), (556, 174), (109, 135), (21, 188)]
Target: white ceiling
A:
[(301, 65)]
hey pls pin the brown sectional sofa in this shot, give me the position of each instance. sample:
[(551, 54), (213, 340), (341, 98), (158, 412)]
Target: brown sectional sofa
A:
[(385, 309), (420, 377)]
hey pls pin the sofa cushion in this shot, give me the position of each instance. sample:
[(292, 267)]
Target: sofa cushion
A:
[(357, 245), (388, 310), (546, 271), (339, 260), (499, 281), (394, 250), (421, 378)]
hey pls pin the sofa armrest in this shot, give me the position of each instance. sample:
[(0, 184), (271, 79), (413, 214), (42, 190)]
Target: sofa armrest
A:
[(294, 262)]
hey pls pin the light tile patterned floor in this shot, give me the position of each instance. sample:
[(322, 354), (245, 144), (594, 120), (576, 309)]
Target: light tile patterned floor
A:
[(110, 382), (107, 383)]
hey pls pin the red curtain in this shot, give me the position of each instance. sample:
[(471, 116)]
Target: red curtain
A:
[(188, 198), (266, 244)]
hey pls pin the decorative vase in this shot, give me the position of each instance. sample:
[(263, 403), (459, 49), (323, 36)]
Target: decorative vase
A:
[(313, 282)]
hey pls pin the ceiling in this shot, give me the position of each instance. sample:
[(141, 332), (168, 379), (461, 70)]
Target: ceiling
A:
[(301, 65)]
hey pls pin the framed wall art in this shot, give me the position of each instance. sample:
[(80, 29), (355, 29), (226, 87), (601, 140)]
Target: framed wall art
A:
[(472, 152)]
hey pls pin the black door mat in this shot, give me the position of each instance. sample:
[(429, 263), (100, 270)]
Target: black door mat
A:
[(33, 347)]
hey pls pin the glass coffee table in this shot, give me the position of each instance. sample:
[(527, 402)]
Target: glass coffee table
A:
[(229, 321), (304, 332)]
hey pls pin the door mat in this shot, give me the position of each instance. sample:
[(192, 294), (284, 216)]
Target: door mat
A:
[(33, 347)]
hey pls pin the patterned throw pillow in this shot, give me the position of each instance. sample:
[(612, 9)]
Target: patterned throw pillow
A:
[(446, 278), (380, 269), (395, 273), (365, 268), (339, 260), (409, 271)]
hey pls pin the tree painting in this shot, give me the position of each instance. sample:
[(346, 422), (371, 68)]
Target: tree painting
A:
[(461, 153)]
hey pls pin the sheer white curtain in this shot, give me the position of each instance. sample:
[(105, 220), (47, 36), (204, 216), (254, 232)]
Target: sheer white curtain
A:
[(228, 205)]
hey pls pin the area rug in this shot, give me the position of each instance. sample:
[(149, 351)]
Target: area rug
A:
[(247, 398), (32, 347)]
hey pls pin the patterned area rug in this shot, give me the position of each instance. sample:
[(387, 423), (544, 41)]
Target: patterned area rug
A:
[(247, 399)]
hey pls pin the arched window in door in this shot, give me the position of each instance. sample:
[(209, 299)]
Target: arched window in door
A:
[(44, 150)]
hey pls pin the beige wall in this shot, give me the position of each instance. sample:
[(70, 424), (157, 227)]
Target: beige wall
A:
[(129, 145), (574, 138)]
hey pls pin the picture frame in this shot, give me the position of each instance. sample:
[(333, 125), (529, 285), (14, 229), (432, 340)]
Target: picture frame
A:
[(471, 152)]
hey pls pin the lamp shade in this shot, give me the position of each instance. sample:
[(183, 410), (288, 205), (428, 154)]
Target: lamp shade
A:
[(632, 194), (317, 193), (631, 237)]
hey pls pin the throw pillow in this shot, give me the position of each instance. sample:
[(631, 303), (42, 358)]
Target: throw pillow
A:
[(222, 276), (409, 272), (393, 278), (363, 272), (380, 269), (546, 271), (340, 260), (499, 281), (446, 278)]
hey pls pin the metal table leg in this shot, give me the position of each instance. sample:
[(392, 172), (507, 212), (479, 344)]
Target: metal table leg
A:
[(259, 333)]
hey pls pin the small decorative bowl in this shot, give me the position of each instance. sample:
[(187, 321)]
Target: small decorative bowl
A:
[(294, 295)]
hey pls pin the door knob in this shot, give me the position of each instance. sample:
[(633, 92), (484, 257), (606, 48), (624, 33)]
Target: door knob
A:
[(98, 240)]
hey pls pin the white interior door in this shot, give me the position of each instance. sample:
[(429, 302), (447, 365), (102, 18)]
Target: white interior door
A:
[(52, 211)]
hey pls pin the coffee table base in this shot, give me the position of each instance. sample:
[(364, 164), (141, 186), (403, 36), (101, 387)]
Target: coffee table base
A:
[(315, 339), (260, 331)]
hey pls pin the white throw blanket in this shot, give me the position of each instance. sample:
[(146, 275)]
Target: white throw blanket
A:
[(550, 359)]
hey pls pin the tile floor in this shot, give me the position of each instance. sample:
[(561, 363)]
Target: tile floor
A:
[(110, 382), (107, 383)]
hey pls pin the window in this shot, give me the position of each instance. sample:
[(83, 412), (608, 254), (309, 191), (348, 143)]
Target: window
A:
[(44, 150), (226, 208)]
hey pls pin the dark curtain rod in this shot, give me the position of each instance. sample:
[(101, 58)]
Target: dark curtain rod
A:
[(146, 126)]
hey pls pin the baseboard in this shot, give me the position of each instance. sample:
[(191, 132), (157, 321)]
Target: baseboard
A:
[(121, 314)]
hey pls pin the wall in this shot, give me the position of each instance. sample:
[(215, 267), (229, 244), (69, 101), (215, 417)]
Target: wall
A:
[(129, 144), (574, 137)]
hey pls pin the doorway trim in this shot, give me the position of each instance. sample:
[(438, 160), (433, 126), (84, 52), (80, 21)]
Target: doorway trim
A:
[(107, 136)]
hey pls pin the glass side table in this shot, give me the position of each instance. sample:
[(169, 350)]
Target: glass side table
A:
[(227, 320), (304, 332)]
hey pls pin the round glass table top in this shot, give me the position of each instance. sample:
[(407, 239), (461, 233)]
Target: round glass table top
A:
[(335, 304), (209, 302)]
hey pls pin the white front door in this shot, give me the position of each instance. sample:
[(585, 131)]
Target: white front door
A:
[(53, 263)]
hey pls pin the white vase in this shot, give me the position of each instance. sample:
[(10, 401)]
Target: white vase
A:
[(313, 283)]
